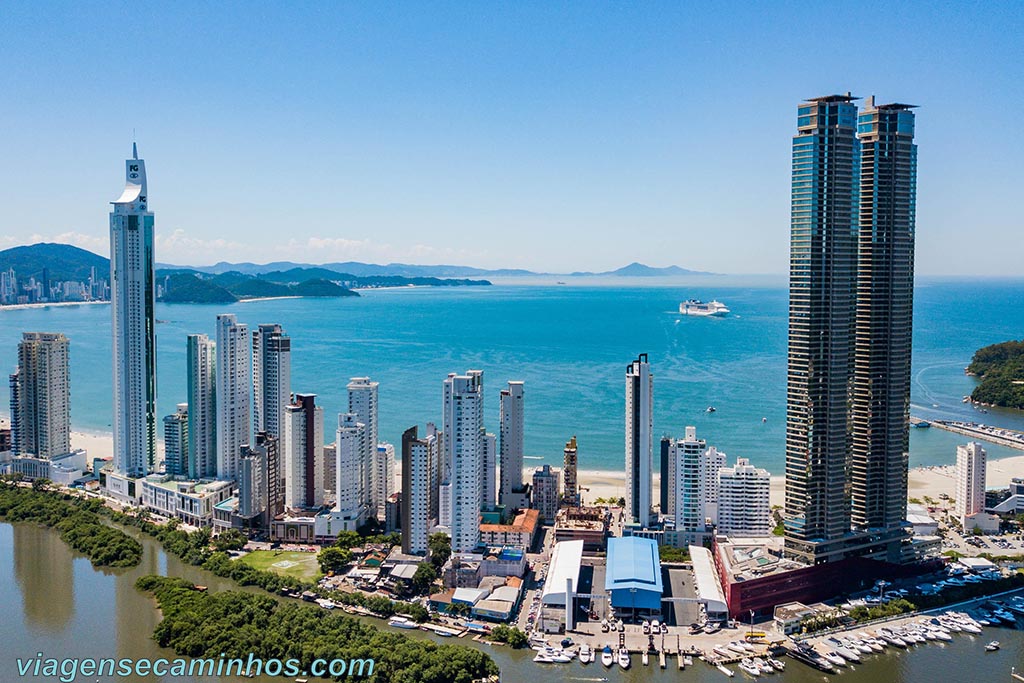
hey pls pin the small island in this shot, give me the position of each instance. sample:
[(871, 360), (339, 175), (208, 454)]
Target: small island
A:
[(1000, 367)]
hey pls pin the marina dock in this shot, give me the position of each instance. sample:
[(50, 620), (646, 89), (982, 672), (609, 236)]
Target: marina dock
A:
[(1010, 438)]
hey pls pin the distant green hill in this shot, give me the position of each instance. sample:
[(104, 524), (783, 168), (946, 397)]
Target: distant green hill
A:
[(1001, 369), (321, 288), (62, 261), (189, 285), (186, 288)]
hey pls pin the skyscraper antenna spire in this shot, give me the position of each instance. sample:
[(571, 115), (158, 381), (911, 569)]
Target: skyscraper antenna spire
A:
[(135, 151)]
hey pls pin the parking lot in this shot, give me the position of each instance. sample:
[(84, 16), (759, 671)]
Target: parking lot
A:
[(679, 584)]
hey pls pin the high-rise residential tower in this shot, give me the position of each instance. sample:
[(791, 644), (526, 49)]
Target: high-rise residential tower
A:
[(420, 464), (176, 442), (510, 442), (40, 396), (201, 462), (301, 447), (354, 460), (851, 297), (376, 487), (885, 296), (234, 393), (744, 509), (132, 305), (639, 441), (823, 261), (570, 485), (971, 467), (693, 485), (271, 377), (463, 461)]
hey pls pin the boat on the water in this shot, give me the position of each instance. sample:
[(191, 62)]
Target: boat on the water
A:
[(402, 622), (724, 669), (992, 647), (623, 658), (701, 308), (586, 654), (748, 666), (607, 657)]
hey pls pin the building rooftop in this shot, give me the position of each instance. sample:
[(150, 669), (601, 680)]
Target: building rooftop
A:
[(833, 98), (566, 561), (526, 521), (792, 610), (753, 558), (705, 580), (633, 563), (196, 488), (469, 596)]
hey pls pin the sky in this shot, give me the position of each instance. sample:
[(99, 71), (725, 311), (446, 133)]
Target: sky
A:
[(543, 135)]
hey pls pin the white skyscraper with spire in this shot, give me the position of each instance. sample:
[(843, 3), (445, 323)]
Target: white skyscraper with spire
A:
[(132, 304), (234, 393)]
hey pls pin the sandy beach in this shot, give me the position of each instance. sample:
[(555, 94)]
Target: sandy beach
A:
[(22, 307), (923, 481)]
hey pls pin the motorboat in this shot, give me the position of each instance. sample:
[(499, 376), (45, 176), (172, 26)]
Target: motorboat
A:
[(607, 657), (543, 658), (777, 664), (586, 654), (726, 670), (833, 658), (763, 666), (992, 647), (747, 666), (623, 658), (645, 658), (737, 648), (402, 622), (723, 652)]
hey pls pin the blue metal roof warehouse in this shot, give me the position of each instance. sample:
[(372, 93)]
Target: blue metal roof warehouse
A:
[(633, 578)]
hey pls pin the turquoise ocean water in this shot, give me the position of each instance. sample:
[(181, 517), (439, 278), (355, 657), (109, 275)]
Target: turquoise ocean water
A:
[(571, 344)]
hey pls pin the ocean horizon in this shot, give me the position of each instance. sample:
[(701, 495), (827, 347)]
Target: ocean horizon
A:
[(570, 344)]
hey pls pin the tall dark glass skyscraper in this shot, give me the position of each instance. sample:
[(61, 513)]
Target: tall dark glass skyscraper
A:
[(823, 260), (885, 296), (851, 296)]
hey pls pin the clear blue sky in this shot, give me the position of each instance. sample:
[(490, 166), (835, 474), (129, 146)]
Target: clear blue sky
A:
[(551, 136)]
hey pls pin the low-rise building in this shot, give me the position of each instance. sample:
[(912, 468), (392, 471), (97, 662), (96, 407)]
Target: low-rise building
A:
[(922, 522), (520, 532), (984, 522), (558, 598), (587, 524), (190, 501), (62, 470), (789, 617), (633, 576), (289, 529)]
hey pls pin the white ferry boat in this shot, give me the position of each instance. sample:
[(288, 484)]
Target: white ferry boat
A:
[(698, 307), (402, 622)]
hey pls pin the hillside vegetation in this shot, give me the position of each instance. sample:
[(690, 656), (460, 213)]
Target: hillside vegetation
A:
[(1001, 370), (62, 262)]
